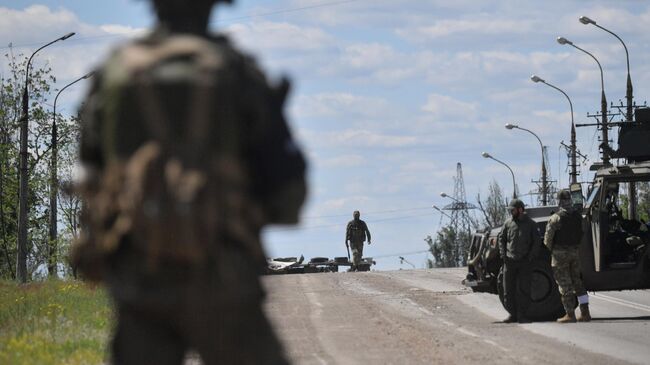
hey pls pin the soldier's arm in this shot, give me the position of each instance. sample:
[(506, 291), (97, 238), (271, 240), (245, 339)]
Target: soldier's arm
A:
[(367, 231), (551, 228), (278, 164), (503, 240), (347, 234)]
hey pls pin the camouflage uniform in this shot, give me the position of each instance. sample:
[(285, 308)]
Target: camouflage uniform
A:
[(563, 236), (519, 244), (356, 233), (203, 296)]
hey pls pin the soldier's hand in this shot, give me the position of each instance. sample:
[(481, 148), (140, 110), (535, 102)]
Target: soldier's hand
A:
[(369, 242)]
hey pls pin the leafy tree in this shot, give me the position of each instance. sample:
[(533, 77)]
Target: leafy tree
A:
[(446, 248), (493, 207), (39, 145)]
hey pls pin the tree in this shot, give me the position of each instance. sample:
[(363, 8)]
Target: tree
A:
[(447, 249), (39, 251), (493, 207)]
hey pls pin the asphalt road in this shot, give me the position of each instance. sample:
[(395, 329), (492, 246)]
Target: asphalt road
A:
[(428, 317)]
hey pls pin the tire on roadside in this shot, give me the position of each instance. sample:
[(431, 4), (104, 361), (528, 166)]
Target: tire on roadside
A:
[(545, 302)]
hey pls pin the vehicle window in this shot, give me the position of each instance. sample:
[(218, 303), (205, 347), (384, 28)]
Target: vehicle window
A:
[(592, 195)]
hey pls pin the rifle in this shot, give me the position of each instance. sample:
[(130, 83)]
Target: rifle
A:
[(348, 248)]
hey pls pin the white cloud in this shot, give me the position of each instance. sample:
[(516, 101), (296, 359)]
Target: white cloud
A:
[(484, 25), (444, 108), (280, 36), (342, 105)]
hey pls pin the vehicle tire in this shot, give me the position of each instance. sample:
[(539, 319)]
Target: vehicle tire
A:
[(318, 260), (545, 301)]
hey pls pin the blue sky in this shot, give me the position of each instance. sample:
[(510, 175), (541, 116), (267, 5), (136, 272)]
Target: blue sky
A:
[(389, 95)]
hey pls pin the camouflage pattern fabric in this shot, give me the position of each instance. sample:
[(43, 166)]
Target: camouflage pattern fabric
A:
[(209, 107), (566, 269), (565, 259), (356, 233), (357, 252)]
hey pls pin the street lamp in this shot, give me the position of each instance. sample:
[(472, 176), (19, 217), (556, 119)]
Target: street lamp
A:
[(441, 211), (603, 99), (544, 173), (21, 261), (628, 93), (574, 165), (514, 184), (628, 115), (54, 183)]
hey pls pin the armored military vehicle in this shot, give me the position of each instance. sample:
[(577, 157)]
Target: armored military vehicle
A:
[(614, 252)]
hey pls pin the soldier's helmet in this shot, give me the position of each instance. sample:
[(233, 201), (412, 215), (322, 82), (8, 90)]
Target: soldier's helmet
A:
[(516, 203), (563, 194), (356, 214)]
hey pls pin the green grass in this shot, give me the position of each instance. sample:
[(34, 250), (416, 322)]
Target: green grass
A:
[(54, 322)]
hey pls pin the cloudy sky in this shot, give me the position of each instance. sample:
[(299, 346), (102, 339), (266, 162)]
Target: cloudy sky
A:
[(388, 96)]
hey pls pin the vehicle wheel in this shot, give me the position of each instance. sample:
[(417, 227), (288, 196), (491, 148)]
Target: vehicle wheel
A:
[(544, 295)]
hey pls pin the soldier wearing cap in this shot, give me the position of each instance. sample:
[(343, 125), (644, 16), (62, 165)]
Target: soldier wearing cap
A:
[(519, 245), (355, 234), (220, 125), (563, 236)]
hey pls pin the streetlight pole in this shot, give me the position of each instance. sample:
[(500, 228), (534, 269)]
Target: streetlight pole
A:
[(574, 149), (603, 101), (514, 184), (441, 211), (629, 112), (544, 173), (21, 261), (629, 90), (54, 182)]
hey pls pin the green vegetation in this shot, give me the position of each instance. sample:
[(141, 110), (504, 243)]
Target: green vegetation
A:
[(53, 322)]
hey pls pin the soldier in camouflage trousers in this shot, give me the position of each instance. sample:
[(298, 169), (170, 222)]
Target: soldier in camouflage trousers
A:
[(563, 236), (188, 156), (355, 234)]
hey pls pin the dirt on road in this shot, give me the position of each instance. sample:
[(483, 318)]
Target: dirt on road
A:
[(401, 318)]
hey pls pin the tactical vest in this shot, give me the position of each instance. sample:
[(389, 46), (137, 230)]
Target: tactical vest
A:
[(176, 185), (357, 231), (570, 232)]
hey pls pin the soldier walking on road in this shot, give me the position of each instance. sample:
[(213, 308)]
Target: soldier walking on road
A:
[(563, 236), (188, 156), (356, 233), (519, 245)]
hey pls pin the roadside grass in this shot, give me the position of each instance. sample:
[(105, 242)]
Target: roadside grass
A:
[(54, 322)]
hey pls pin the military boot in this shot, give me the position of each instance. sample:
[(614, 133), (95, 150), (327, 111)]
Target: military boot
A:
[(569, 317), (585, 316)]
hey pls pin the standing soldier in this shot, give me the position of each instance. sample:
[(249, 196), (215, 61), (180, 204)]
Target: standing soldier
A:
[(188, 156), (563, 236), (356, 233), (519, 245)]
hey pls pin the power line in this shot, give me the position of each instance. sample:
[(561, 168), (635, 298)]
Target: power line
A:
[(226, 20)]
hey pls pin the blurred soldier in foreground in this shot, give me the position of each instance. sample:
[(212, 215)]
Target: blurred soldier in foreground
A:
[(519, 244), (356, 233), (563, 236), (188, 156)]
